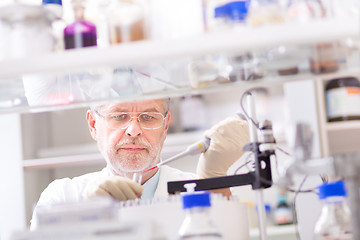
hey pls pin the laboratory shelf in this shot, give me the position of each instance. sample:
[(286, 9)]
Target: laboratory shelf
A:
[(63, 161), (344, 125), (147, 51), (141, 53), (219, 88)]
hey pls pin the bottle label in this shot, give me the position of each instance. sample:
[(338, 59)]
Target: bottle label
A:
[(344, 101)]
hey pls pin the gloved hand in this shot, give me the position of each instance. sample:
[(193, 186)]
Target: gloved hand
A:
[(227, 140), (120, 188)]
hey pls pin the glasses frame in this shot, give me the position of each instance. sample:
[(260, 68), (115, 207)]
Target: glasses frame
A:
[(131, 118)]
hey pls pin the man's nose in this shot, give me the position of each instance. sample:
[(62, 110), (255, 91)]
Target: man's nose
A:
[(134, 128)]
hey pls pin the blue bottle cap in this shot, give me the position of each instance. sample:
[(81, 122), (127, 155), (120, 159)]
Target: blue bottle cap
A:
[(332, 189), (237, 10), (52, 2), (267, 208), (282, 198), (221, 11), (196, 199)]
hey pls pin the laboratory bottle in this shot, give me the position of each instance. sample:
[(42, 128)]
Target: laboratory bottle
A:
[(343, 99), (265, 12), (28, 30), (283, 212), (198, 223), (80, 33), (230, 16), (55, 10), (126, 21), (54, 7), (334, 220), (325, 57), (304, 10)]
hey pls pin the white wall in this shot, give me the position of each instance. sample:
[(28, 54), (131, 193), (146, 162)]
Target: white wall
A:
[(12, 208)]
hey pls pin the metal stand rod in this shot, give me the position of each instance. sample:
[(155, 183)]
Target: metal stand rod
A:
[(261, 213), (259, 192)]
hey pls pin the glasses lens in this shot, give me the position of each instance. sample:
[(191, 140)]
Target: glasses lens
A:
[(118, 120), (151, 120)]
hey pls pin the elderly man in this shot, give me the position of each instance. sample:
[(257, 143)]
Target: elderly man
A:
[(130, 136)]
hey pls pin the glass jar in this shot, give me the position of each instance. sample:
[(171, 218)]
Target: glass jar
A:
[(209, 70), (325, 58), (126, 21), (264, 12), (343, 99), (30, 30), (304, 10)]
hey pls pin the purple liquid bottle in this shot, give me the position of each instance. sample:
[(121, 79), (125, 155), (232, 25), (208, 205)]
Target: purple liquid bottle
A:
[(81, 33)]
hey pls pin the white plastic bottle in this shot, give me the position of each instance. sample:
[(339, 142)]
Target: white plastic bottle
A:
[(197, 224), (54, 9), (334, 220)]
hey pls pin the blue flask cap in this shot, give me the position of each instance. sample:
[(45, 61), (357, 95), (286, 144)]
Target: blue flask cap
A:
[(332, 189), (52, 2), (196, 199)]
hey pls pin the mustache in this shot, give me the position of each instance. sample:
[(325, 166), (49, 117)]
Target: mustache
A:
[(136, 141)]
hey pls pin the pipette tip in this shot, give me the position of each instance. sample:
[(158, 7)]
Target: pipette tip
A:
[(147, 170)]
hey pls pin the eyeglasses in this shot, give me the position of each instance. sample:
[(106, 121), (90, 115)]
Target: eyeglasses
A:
[(121, 120)]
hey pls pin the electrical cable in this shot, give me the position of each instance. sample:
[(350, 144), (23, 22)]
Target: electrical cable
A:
[(294, 208), (246, 163), (283, 151), (248, 92)]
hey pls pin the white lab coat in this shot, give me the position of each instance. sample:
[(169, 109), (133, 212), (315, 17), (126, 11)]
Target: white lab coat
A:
[(68, 190)]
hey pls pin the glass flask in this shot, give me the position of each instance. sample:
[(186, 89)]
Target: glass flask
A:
[(334, 220), (197, 223)]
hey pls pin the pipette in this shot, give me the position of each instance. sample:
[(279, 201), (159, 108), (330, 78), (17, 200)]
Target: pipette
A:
[(195, 148)]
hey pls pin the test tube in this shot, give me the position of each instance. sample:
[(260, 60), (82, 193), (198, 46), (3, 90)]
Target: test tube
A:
[(137, 177)]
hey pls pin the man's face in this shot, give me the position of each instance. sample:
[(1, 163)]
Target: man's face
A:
[(134, 148)]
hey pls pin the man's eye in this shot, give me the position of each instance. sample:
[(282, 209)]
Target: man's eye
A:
[(147, 117), (120, 117)]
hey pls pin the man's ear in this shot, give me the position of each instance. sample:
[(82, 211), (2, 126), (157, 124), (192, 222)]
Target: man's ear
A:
[(169, 120), (91, 119)]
